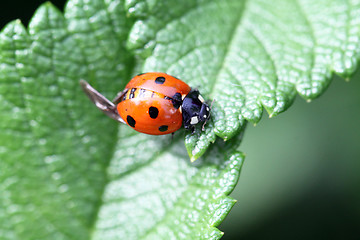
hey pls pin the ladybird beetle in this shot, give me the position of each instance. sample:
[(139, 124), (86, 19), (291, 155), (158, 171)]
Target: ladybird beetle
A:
[(154, 103)]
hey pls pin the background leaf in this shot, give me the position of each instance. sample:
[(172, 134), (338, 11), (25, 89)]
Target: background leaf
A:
[(60, 154), (304, 182)]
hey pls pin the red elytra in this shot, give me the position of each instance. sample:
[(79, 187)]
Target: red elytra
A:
[(154, 103), (147, 103)]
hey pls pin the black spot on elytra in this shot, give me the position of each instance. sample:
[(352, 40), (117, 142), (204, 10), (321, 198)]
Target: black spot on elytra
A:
[(176, 100), (163, 128), (131, 121), (176, 104), (177, 96), (153, 112), (160, 80)]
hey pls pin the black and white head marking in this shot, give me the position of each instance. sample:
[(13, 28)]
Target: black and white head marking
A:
[(194, 109)]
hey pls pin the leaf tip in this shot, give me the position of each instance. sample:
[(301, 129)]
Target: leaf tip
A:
[(193, 158), (48, 4)]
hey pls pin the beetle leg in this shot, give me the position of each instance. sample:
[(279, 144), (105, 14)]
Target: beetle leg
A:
[(101, 102)]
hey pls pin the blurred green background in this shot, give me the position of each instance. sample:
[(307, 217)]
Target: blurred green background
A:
[(301, 176)]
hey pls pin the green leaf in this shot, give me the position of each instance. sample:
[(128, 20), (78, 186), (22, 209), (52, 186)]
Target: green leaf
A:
[(249, 55), (79, 175), (53, 157), (165, 196)]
